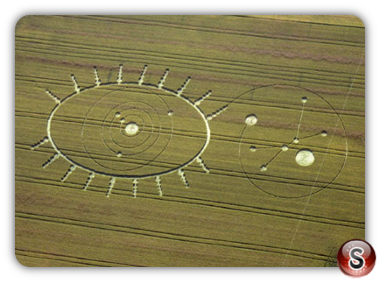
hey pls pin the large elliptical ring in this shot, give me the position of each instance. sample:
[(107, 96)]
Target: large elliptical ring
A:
[(150, 88)]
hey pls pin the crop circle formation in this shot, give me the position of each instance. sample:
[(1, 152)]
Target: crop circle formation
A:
[(128, 130)]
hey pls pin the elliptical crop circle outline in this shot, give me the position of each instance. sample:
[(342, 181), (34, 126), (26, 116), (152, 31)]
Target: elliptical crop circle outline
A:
[(150, 88)]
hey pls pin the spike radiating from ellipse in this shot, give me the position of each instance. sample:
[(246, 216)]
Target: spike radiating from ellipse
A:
[(52, 159), (134, 189), (183, 87), (39, 143), (162, 80), (76, 86), (201, 99), (89, 179), (97, 79), (54, 97), (120, 74), (181, 173), (216, 113), (141, 79), (68, 172), (112, 183), (202, 164), (159, 187)]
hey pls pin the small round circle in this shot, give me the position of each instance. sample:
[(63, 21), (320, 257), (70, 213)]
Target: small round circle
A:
[(285, 147), (263, 168), (304, 100), (119, 154), (251, 119), (253, 148), (170, 113), (122, 120), (296, 140), (324, 133), (305, 157), (131, 129), (356, 258), (117, 114)]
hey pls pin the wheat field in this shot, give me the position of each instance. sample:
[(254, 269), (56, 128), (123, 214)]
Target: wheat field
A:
[(196, 140)]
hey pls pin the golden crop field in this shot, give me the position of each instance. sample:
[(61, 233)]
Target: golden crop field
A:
[(188, 140)]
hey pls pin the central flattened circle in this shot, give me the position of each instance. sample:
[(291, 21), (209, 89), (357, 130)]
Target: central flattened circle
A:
[(131, 129)]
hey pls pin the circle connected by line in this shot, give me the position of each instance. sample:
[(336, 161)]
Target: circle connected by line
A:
[(251, 119)]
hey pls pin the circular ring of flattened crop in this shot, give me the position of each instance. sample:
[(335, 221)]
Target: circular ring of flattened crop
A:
[(297, 148)]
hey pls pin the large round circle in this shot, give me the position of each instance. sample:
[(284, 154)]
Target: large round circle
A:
[(305, 157)]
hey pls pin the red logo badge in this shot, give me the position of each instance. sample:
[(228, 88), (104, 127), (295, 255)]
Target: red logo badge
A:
[(356, 258)]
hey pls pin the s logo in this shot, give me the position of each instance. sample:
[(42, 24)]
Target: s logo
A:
[(356, 258), (356, 261)]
